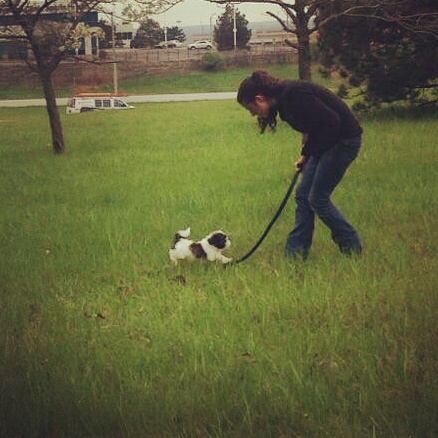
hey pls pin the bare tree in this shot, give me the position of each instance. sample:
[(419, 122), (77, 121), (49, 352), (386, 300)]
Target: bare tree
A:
[(302, 25), (49, 39), (304, 22), (51, 28)]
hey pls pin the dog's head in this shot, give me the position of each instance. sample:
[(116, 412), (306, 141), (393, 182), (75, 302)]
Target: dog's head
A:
[(219, 240)]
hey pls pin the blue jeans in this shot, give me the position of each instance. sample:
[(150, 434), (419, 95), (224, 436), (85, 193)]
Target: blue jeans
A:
[(319, 179)]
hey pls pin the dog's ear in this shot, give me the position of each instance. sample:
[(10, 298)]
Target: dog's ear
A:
[(218, 240), (198, 250)]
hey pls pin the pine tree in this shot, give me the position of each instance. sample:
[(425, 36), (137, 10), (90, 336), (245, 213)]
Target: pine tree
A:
[(391, 49), (224, 30)]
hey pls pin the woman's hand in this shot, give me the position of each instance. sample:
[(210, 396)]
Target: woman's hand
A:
[(301, 162)]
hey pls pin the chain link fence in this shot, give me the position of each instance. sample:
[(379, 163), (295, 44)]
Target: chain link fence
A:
[(96, 71)]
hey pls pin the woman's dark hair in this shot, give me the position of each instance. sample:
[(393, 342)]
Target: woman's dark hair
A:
[(262, 83)]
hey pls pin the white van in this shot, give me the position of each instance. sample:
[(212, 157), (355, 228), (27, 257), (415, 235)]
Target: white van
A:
[(82, 102)]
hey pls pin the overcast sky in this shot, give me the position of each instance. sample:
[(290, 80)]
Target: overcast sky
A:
[(196, 12)]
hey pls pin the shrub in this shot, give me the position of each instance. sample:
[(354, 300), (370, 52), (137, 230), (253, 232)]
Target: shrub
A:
[(342, 91), (212, 62), (360, 107)]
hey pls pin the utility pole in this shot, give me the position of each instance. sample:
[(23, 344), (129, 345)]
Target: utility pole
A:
[(115, 79)]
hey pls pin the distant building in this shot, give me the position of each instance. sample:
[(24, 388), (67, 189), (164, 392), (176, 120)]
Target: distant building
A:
[(125, 33), (10, 49)]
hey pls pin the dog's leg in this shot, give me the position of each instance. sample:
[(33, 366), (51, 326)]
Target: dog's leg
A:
[(224, 259), (173, 259)]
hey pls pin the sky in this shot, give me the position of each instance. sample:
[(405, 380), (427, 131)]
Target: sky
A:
[(199, 12)]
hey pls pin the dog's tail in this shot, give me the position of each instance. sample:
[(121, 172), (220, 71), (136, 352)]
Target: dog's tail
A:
[(183, 233)]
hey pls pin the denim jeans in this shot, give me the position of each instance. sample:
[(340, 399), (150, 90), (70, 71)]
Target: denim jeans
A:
[(319, 179)]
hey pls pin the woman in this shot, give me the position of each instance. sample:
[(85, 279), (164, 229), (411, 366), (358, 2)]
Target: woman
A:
[(331, 141)]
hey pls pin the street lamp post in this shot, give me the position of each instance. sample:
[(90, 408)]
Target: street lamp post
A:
[(211, 26), (234, 27), (115, 79)]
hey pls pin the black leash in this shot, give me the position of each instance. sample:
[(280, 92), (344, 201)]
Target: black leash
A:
[(271, 224)]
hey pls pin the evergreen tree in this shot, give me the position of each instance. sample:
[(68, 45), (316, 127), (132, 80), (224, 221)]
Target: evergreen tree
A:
[(148, 34), (175, 33), (224, 30), (391, 49)]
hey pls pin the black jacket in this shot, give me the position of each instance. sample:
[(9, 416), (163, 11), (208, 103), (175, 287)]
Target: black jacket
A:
[(318, 112)]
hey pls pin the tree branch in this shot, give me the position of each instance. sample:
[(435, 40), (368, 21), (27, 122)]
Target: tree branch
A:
[(346, 12), (431, 30), (272, 2), (291, 44), (282, 22)]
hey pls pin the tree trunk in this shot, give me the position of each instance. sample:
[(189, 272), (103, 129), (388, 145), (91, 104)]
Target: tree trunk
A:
[(304, 67), (52, 109)]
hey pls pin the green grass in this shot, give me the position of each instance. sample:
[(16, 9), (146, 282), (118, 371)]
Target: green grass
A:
[(100, 336), (227, 80), (28, 92)]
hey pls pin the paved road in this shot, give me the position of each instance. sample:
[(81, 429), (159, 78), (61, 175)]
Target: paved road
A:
[(130, 99)]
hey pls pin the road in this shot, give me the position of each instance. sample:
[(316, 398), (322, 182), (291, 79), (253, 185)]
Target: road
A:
[(19, 103)]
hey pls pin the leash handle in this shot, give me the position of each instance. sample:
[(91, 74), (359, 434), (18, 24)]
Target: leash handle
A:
[(271, 224)]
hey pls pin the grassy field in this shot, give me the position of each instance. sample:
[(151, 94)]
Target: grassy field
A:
[(101, 337), (227, 80)]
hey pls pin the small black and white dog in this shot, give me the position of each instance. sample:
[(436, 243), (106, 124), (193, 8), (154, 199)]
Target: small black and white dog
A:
[(209, 248)]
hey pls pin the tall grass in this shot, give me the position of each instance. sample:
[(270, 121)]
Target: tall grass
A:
[(101, 336)]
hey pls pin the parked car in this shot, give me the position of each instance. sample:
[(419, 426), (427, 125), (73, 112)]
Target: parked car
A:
[(168, 44), (161, 45), (174, 43), (83, 102), (204, 44)]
